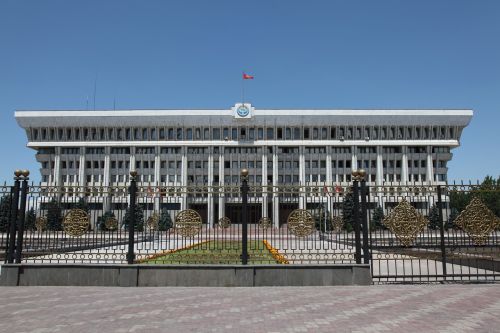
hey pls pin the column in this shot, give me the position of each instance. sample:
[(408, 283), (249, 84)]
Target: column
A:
[(157, 176), (404, 165), (430, 167), (132, 159), (106, 179), (331, 189), (210, 199), (57, 167), (81, 169), (265, 212), (222, 208), (157, 180), (184, 178), (380, 167), (329, 165), (107, 170), (302, 178), (354, 158), (276, 204), (379, 181)]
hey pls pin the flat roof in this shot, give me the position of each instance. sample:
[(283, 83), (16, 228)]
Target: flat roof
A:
[(213, 117)]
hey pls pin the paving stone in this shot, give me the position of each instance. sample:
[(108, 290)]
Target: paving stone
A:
[(379, 308)]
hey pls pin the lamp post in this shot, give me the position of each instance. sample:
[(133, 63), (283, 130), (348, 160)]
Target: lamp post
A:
[(244, 216), (13, 216), (22, 214), (359, 176)]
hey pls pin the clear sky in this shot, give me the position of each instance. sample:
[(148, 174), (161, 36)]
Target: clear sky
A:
[(304, 54)]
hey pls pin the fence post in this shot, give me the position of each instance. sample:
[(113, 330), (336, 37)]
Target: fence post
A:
[(441, 229), (22, 214), (131, 223), (364, 209), (13, 218), (357, 231), (244, 216)]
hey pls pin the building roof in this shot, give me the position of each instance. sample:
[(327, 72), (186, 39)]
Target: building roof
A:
[(290, 117)]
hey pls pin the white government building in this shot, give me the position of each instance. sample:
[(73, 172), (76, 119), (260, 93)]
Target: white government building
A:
[(211, 146)]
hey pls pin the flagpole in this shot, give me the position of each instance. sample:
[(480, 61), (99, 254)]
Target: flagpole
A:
[(242, 89)]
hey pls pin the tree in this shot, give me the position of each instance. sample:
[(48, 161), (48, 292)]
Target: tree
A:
[(322, 219), (139, 218), (30, 219), (101, 220), (165, 222), (54, 216), (82, 204), (377, 218), (5, 213), (434, 220), (450, 224), (348, 211)]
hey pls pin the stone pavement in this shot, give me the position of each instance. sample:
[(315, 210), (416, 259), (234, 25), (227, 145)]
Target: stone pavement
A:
[(379, 308)]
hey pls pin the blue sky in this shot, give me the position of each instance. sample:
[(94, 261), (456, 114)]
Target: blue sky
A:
[(304, 54)]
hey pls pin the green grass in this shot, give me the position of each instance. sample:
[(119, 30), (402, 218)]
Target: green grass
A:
[(217, 252)]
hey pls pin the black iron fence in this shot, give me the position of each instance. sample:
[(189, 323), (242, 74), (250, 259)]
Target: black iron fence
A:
[(415, 233)]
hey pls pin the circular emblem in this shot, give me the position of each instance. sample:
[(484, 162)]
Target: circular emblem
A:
[(265, 222), (40, 223), (152, 221), (111, 223), (76, 222), (188, 223), (224, 222), (300, 223), (242, 111), (337, 223)]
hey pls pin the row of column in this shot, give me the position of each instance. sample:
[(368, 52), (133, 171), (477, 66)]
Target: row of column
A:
[(275, 173)]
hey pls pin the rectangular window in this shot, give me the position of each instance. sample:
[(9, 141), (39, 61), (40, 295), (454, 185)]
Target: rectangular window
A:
[(216, 133), (270, 133)]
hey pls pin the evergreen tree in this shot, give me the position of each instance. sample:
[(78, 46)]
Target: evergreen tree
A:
[(450, 224), (377, 218), (434, 221), (30, 219), (101, 220), (165, 222), (139, 218), (322, 220), (82, 204), (5, 213), (348, 211), (54, 216)]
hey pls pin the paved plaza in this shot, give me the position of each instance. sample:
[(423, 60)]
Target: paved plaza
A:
[(379, 308)]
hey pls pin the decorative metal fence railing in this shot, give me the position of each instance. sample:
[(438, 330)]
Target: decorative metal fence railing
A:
[(407, 233)]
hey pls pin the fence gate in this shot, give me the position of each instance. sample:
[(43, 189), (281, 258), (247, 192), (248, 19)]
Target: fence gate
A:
[(434, 234)]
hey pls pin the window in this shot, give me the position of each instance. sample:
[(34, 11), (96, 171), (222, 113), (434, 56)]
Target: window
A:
[(270, 133), (279, 133), (216, 133)]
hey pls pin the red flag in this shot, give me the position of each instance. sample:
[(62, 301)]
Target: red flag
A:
[(247, 77)]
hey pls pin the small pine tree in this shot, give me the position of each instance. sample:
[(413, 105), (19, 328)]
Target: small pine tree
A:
[(348, 211), (4, 213), (139, 218), (101, 220), (377, 218), (434, 221), (165, 222), (82, 204), (54, 216), (450, 224), (30, 219)]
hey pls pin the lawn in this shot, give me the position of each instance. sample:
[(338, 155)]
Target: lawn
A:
[(216, 252)]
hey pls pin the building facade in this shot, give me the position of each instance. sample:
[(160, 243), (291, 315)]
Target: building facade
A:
[(210, 147)]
